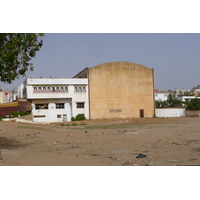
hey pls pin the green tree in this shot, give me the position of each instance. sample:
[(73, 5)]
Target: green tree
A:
[(193, 104), (173, 101), (16, 51)]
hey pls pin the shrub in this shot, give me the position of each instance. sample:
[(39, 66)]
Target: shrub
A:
[(1, 119), (193, 104), (80, 117), (24, 113), (73, 119), (13, 114)]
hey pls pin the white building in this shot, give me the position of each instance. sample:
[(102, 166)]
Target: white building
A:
[(56, 100), (184, 98), (7, 97), (161, 95), (181, 92)]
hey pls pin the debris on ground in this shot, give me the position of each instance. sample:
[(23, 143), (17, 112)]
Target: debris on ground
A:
[(141, 155)]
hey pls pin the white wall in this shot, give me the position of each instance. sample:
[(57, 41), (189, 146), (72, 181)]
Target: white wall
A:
[(171, 112), (51, 113)]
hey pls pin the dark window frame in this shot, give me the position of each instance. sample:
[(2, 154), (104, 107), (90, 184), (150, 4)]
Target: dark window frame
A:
[(80, 105), (40, 106), (60, 105)]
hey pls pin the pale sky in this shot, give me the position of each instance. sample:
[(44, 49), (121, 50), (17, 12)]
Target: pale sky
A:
[(174, 56)]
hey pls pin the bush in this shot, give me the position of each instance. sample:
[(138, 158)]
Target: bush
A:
[(13, 114), (78, 118), (24, 113), (1, 119), (193, 104), (73, 119)]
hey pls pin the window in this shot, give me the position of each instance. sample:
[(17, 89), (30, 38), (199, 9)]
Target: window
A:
[(57, 89), (61, 89), (39, 116), (66, 89), (80, 105), (41, 106), (60, 105), (83, 89), (39, 89), (58, 116), (44, 89), (48, 89), (79, 89), (35, 89)]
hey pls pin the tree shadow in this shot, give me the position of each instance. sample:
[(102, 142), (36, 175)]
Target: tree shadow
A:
[(7, 143)]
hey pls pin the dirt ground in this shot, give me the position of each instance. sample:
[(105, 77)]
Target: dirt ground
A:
[(116, 142)]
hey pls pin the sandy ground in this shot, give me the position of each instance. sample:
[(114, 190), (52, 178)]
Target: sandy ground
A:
[(116, 142)]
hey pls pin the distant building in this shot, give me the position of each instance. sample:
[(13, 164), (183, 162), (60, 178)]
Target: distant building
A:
[(184, 98), (196, 90), (2, 97), (182, 92), (7, 97), (161, 95)]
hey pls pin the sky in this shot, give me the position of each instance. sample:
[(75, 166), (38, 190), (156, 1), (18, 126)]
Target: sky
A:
[(174, 56)]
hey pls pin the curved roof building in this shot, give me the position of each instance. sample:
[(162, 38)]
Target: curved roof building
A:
[(120, 90)]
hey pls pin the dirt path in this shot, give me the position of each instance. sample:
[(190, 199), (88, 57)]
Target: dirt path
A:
[(160, 142)]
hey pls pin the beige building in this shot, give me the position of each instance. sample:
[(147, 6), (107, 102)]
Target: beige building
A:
[(120, 90)]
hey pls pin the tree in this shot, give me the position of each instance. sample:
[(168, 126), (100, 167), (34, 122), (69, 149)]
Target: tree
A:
[(173, 101), (193, 104), (16, 51)]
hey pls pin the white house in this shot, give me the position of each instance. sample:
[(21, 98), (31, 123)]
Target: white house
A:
[(56, 100), (161, 95)]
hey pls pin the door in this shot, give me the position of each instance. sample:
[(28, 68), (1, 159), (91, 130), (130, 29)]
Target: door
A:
[(141, 113)]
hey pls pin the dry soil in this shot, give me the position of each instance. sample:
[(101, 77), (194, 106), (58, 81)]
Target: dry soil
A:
[(116, 142)]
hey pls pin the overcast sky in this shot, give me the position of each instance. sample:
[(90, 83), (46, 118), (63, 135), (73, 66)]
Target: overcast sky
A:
[(174, 56)]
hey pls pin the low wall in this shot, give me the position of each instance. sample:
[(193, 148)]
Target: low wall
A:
[(193, 113), (170, 112), (7, 110)]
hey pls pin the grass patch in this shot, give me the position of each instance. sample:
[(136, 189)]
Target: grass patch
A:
[(72, 124), (30, 127), (109, 126)]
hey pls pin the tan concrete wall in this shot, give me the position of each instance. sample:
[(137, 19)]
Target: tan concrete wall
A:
[(120, 90), (192, 113)]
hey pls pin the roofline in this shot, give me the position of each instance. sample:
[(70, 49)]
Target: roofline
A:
[(81, 72)]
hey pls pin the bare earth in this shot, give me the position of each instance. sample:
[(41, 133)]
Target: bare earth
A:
[(161, 142)]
